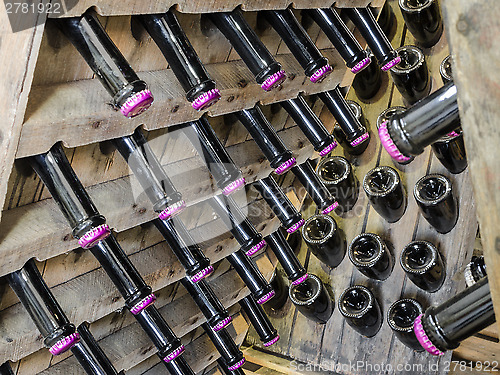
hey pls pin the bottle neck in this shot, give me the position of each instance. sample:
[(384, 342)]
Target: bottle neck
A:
[(246, 42), (57, 174), (297, 40), (101, 54), (426, 122), (291, 265), (309, 123), (202, 136), (259, 320), (460, 317), (90, 356), (341, 37), (40, 304), (279, 202), (265, 136), (180, 54), (148, 170)]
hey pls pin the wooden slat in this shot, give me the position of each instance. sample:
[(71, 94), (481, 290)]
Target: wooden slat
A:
[(77, 113), (133, 7), (20, 40), (478, 349), (92, 296), (471, 27)]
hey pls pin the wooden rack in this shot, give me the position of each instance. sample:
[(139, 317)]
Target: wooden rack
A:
[(50, 95)]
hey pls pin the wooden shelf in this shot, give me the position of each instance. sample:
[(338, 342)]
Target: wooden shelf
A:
[(77, 113), (84, 298), (112, 8)]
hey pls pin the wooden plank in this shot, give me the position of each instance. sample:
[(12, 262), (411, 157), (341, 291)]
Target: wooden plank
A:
[(471, 27), (477, 349), (109, 8), (92, 296), (77, 113), (20, 37)]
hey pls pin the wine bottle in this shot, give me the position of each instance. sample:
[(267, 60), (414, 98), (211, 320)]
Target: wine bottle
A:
[(411, 76), (475, 270), (260, 322), (361, 310), (339, 134), (208, 303), (231, 356), (314, 187), (59, 335), (301, 46), (167, 201), (90, 355), (208, 145), (251, 276), (130, 94), (263, 133), (182, 59), (437, 203), (312, 299), (400, 317), (427, 121), (325, 239), (355, 133), (341, 37), (258, 59), (92, 232), (291, 265), (443, 327), (290, 218), (423, 20), (423, 265), (375, 38), (240, 227), (338, 176), (188, 252), (371, 256), (385, 192), (312, 127)]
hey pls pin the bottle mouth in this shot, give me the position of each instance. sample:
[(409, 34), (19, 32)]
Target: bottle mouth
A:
[(432, 189), (319, 229), (414, 5), (334, 170), (306, 292), (418, 257), (356, 301), (411, 59), (403, 313), (366, 250), (388, 113), (445, 69), (380, 181)]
